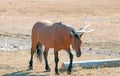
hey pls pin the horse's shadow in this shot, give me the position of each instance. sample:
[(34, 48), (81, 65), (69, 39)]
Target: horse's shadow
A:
[(27, 72), (24, 73), (19, 73)]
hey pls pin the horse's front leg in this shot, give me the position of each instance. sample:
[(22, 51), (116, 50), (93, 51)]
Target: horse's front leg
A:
[(56, 63), (46, 61), (71, 60)]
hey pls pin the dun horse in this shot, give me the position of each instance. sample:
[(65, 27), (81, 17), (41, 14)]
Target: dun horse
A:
[(58, 36)]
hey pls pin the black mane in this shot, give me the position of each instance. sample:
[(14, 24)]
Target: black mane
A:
[(74, 32)]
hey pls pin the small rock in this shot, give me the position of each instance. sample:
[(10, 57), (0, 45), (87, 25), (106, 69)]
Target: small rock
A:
[(90, 49), (97, 52), (15, 46)]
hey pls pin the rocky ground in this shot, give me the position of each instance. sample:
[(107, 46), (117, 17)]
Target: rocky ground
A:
[(14, 42)]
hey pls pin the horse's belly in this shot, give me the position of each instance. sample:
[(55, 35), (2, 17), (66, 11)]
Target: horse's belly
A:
[(48, 44), (57, 44)]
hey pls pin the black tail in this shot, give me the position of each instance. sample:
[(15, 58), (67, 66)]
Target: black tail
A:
[(39, 51)]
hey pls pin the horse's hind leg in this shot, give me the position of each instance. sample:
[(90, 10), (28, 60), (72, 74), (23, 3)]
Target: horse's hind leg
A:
[(31, 59), (45, 58), (32, 53)]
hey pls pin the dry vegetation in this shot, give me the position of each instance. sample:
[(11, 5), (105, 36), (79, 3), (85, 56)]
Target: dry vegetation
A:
[(18, 16)]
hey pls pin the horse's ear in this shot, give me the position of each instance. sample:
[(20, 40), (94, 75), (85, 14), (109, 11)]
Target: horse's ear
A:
[(80, 35)]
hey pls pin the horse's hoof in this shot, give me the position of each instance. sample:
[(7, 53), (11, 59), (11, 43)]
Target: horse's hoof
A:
[(30, 68), (57, 73), (48, 70), (68, 72)]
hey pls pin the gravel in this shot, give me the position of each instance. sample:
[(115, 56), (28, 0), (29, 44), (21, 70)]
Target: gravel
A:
[(14, 44), (100, 51)]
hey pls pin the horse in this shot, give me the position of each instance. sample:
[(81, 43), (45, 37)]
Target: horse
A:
[(54, 35)]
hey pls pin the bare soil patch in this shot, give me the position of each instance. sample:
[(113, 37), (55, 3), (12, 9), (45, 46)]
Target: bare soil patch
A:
[(18, 16)]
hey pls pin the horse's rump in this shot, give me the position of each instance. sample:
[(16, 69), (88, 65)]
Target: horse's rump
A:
[(41, 32)]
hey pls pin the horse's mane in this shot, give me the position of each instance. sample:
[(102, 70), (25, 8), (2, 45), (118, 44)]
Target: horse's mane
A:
[(73, 31), (70, 27)]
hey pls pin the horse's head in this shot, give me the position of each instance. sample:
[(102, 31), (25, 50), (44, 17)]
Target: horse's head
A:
[(76, 44)]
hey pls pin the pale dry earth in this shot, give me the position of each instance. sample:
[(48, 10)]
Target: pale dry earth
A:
[(18, 16)]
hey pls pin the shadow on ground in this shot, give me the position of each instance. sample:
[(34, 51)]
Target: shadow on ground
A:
[(26, 73), (19, 73)]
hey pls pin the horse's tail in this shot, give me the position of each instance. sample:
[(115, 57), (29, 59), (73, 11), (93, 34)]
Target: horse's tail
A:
[(39, 51)]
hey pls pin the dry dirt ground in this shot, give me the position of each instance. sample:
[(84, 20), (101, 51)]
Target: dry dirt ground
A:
[(18, 16)]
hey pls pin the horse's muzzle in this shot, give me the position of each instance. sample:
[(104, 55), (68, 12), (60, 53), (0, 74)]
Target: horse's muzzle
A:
[(78, 54)]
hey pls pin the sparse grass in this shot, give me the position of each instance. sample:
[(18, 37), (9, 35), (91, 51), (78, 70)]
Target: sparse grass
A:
[(18, 17)]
